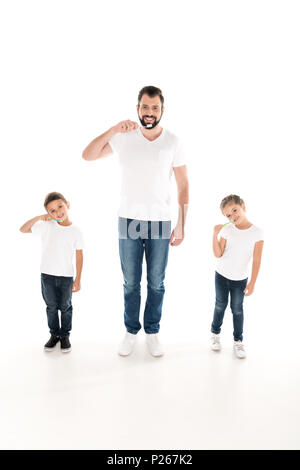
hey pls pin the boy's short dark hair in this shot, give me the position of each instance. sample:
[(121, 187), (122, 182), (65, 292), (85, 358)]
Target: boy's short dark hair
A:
[(231, 199), (151, 91), (53, 197)]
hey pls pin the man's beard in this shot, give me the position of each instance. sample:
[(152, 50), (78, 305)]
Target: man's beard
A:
[(149, 125)]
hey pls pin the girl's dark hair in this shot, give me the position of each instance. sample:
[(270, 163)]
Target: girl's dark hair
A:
[(151, 91), (232, 198), (53, 197)]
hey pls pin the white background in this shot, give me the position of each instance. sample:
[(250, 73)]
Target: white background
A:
[(229, 71)]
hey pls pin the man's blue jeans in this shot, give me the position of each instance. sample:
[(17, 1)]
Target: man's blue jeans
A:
[(57, 294), (225, 286), (135, 238)]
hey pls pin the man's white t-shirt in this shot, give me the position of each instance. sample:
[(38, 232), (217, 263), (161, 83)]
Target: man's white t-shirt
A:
[(59, 244), (146, 169), (238, 252)]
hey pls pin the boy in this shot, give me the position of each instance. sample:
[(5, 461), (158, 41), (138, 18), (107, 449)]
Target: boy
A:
[(60, 238)]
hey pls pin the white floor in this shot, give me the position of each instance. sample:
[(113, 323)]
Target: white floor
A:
[(192, 398)]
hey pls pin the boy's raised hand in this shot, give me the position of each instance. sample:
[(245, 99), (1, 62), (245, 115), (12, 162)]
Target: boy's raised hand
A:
[(26, 228), (126, 126), (45, 217)]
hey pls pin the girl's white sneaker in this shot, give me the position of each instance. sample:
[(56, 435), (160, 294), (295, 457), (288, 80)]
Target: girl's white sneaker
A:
[(127, 345), (155, 348), (215, 342), (239, 349)]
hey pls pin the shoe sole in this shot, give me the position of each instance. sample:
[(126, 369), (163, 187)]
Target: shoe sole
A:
[(125, 354), (239, 357), (50, 349), (66, 350), (155, 354)]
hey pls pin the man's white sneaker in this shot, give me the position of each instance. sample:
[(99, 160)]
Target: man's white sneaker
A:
[(127, 345), (239, 349), (215, 342), (155, 348)]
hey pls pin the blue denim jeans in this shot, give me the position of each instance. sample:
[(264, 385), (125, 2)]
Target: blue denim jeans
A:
[(225, 286), (135, 238), (57, 294)]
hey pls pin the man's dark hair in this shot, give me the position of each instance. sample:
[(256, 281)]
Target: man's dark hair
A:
[(231, 199), (53, 197), (151, 91)]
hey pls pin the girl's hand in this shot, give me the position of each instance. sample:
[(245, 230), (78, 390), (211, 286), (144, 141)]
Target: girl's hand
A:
[(76, 285), (217, 229), (249, 289)]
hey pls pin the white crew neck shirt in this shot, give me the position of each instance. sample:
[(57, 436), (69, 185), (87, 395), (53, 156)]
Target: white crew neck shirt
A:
[(146, 168), (59, 244), (238, 252)]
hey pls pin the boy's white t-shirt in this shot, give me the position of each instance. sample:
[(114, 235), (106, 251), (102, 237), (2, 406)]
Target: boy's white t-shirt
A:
[(238, 252), (59, 244), (146, 169)]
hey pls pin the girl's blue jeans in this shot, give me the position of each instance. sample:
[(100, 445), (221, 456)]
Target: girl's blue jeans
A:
[(224, 287)]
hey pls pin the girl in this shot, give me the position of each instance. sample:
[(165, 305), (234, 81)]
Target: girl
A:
[(239, 241)]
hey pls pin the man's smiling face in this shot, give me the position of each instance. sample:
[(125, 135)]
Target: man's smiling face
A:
[(150, 111)]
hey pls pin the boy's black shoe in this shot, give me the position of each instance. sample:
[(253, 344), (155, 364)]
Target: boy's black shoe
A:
[(65, 344), (50, 345)]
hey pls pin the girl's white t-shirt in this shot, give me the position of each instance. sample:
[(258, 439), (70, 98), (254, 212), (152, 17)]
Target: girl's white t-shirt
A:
[(238, 252), (146, 169), (59, 244)]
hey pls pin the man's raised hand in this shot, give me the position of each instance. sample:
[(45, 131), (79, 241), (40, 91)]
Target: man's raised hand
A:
[(126, 126)]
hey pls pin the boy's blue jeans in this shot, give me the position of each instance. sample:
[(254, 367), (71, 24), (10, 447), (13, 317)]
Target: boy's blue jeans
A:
[(135, 238), (225, 286), (57, 294)]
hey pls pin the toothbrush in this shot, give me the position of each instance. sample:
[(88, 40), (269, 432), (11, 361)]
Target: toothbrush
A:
[(227, 224)]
